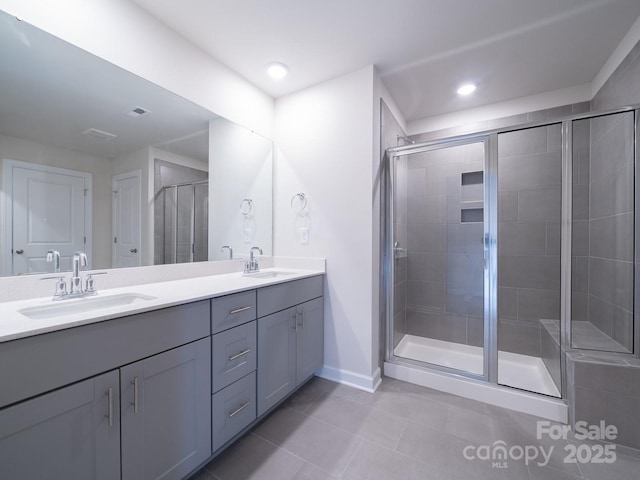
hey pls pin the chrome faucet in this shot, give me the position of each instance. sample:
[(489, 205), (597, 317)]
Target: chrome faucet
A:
[(227, 247), (79, 260), (252, 264), (54, 256), (77, 290)]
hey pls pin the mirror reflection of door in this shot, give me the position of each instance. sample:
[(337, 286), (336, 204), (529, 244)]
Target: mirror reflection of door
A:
[(46, 210), (126, 220)]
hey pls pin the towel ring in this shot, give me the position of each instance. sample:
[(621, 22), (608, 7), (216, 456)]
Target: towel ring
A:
[(246, 206), (301, 205)]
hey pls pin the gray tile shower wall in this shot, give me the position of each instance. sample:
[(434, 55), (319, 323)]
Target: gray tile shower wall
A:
[(611, 227), (529, 176), (606, 390), (445, 283), (622, 87)]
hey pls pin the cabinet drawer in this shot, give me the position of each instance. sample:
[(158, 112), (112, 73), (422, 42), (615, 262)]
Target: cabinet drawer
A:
[(232, 409), (37, 364), (284, 295), (233, 355), (232, 310)]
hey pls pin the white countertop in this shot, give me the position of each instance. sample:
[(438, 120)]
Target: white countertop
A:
[(15, 325)]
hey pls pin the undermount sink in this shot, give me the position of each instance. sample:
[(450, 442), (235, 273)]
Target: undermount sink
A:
[(83, 305), (268, 274)]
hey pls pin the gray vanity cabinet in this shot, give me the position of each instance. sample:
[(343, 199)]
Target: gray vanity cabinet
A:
[(71, 433), (166, 415), (290, 341)]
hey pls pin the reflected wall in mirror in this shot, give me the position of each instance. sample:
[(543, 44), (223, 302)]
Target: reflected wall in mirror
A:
[(240, 190), (87, 148)]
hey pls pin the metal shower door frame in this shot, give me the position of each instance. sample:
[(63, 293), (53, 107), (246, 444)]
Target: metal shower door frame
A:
[(490, 226)]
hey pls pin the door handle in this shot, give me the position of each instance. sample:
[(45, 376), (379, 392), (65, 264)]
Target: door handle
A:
[(133, 250), (135, 394), (20, 251), (109, 414)]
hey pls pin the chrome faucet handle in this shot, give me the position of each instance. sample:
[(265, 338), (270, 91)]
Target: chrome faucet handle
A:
[(90, 284), (61, 286), (54, 256)]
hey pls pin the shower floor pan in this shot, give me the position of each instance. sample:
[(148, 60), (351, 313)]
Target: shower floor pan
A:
[(514, 370)]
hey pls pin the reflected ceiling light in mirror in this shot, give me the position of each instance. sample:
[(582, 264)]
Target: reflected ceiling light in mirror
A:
[(277, 70), (466, 89)]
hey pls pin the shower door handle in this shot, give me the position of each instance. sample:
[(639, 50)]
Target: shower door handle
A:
[(133, 250)]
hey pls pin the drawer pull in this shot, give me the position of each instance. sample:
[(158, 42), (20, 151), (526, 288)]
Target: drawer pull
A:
[(238, 310), (238, 410), (238, 355)]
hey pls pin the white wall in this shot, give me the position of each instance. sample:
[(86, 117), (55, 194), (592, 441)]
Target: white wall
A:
[(13, 148), (325, 139), (124, 34)]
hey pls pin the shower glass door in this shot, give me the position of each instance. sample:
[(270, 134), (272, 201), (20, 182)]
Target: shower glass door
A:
[(438, 232)]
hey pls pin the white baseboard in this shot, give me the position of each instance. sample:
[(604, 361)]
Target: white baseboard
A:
[(352, 379)]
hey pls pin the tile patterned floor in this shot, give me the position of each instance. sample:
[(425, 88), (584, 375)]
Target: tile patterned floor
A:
[(401, 432)]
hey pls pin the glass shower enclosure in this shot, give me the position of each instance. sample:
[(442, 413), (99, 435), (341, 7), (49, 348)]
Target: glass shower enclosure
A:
[(506, 248), (185, 222)]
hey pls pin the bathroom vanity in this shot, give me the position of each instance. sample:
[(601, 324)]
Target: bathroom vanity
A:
[(156, 388)]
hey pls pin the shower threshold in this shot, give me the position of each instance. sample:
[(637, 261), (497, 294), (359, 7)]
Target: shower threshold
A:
[(514, 370)]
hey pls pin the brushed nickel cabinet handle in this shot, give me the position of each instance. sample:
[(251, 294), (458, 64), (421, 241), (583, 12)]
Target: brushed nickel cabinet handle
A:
[(238, 310), (20, 251), (109, 414), (238, 410), (133, 250), (238, 355), (135, 394)]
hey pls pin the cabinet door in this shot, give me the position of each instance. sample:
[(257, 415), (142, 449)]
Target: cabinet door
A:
[(71, 433), (166, 414), (276, 358), (310, 338)]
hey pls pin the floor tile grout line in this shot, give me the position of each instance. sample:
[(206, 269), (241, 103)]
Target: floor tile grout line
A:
[(404, 428), (304, 460), (353, 454), (344, 430)]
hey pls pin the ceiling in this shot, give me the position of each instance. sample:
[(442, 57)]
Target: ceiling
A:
[(423, 49)]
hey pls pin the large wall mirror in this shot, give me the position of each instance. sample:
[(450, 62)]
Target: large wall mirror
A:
[(100, 160)]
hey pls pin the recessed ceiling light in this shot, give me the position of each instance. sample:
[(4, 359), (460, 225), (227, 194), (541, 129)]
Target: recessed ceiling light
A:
[(277, 70), (466, 89)]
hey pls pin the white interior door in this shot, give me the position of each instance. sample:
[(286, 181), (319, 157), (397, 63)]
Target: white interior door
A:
[(47, 210), (127, 242)]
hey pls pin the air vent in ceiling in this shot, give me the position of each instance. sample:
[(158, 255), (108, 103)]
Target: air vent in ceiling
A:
[(98, 134), (137, 112)]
